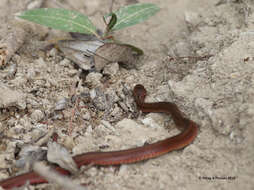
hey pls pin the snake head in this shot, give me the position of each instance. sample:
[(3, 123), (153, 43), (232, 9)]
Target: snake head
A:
[(139, 93)]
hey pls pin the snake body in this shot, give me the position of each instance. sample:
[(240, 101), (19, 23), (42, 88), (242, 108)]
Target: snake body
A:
[(188, 133)]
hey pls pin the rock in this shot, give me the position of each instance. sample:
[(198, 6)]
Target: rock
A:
[(62, 104), (38, 133), (94, 79), (53, 52), (100, 100), (92, 93), (10, 98), (112, 95), (65, 63), (68, 142), (37, 116), (30, 154), (59, 155), (111, 69), (85, 114)]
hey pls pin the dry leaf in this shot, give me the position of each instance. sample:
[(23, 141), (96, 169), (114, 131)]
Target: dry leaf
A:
[(80, 52), (112, 52), (59, 155)]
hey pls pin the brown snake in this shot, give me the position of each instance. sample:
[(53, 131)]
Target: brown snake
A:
[(189, 132)]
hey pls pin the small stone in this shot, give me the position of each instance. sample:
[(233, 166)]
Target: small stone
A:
[(59, 155), (111, 69), (111, 93), (86, 116), (53, 52), (37, 134), (89, 129), (37, 115), (100, 100), (92, 172), (68, 142), (92, 93), (34, 4), (72, 72), (61, 104), (94, 78), (65, 62), (11, 98)]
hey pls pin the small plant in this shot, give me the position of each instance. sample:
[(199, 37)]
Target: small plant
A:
[(75, 22)]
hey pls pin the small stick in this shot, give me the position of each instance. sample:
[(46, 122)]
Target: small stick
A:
[(77, 101), (73, 115)]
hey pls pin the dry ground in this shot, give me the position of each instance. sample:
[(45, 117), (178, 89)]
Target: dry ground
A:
[(213, 85)]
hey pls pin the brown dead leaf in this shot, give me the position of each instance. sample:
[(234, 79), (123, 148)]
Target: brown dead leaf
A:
[(112, 52)]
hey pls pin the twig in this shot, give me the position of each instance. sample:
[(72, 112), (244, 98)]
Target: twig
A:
[(77, 101), (198, 58), (73, 115)]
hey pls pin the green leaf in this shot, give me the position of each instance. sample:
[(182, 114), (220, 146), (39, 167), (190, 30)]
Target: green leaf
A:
[(112, 21), (134, 14), (61, 19)]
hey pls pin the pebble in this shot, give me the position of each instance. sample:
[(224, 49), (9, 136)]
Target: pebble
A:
[(65, 63), (86, 116), (11, 98), (37, 133), (92, 93), (111, 69), (94, 78), (59, 155), (100, 100), (53, 52), (112, 95), (37, 116), (68, 142), (61, 104)]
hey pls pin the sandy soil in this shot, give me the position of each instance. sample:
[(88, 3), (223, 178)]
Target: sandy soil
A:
[(198, 54)]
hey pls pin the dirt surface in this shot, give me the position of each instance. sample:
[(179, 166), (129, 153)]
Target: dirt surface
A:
[(198, 54)]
